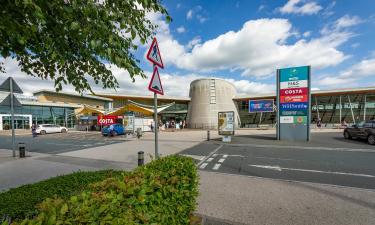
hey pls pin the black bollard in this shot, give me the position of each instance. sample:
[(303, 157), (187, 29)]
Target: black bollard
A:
[(208, 135), (141, 159), (22, 149)]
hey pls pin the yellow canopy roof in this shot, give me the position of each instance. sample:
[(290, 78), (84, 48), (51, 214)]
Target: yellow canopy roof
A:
[(88, 110)]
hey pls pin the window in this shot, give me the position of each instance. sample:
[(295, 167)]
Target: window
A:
[(369, 125)]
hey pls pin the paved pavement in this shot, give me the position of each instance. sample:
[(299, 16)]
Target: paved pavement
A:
[(236, 199), (61, 142), (36, 167)]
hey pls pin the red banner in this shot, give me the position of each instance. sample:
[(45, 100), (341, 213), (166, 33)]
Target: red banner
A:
[(293, 98), (106, 120), (293, 91)]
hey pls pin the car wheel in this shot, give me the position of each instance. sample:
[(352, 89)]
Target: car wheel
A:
[(63, 131), (114, 133), (347, 135), (371, 139), (43, 132)]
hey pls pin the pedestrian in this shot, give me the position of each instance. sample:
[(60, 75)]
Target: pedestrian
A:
[(181, 127), (319, 123), (33, 130), (167, 124), (152, 126)]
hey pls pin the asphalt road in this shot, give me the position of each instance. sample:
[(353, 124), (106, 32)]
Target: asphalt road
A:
[(327, 159), (60, 143)]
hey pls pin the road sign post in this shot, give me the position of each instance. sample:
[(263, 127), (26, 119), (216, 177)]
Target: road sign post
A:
[(153, 55), (11, 101), (12, 118)]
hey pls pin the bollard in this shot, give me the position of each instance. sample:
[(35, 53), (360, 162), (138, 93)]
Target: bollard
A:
[(141, 159), (208, 135), (22, 149)]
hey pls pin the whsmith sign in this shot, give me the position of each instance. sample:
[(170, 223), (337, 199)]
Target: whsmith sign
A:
[(293, 100)]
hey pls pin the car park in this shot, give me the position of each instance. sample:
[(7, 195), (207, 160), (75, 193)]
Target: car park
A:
[(363, 130), (113, 130), (50, 128)]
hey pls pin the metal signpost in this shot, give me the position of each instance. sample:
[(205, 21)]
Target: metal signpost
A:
[(153, 55), (293, 100), (226, 125), (11, 101)]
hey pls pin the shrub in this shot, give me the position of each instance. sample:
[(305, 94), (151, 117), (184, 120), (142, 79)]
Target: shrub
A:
[(161, 192), (20, 202)]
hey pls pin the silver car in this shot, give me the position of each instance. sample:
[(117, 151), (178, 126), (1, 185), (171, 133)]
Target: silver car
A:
[(50, 128)]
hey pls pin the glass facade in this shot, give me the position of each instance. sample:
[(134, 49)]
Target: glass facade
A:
[(331, 109), (63, 116)]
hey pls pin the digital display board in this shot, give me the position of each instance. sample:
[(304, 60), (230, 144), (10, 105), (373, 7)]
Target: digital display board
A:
[(264, 105)]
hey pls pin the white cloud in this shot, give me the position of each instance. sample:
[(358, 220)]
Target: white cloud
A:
[(201, 18), (193, 42), (259, 48), (347, 21), (293, 7), (348, 77), (181, 29), (355, 45), (173, 84), (178, 5), (307, 34), (246, 87), (261, 7), (189, 14)]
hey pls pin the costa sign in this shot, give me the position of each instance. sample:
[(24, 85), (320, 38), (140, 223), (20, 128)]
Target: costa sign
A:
[(294, 91), (106, 120)]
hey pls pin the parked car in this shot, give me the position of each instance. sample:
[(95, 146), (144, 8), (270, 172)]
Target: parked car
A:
[(113, 130), (362, 130), (50, 128)]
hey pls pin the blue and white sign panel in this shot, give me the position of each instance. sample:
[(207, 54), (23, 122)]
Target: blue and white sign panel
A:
[(264, 105), (293, 100)]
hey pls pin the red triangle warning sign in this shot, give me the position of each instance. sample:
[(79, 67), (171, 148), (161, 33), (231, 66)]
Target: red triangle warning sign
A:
[(153, 54), (155, 83)]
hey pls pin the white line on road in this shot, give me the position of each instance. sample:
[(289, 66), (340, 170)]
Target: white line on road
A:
[(221, 160), (225, 156), (278, 168), (214, 155), (203, 165), (209, 155), (209, 160), (216, 166), (305, 147)]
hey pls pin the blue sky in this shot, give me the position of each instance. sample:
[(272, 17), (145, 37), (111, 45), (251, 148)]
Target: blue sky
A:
[(246, 41)]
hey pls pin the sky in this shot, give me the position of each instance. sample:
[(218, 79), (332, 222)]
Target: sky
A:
[(245, 42)]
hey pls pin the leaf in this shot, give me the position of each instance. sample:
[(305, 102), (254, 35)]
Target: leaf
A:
[(64, 209)]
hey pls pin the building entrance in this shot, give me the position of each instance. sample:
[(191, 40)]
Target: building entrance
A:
[(20, 121)]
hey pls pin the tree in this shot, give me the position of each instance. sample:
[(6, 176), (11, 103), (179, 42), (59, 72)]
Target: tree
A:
[(70, 41)]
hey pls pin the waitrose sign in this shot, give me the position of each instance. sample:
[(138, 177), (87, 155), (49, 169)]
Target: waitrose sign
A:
[(293, 103)]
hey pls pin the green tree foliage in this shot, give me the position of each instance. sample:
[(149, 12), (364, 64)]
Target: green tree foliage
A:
[(69, 41)]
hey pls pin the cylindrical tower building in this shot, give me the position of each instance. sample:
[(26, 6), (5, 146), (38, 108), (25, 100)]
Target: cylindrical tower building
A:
[(209, 96)]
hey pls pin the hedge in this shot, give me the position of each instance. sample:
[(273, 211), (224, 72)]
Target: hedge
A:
[(161, 192), (20, 202)]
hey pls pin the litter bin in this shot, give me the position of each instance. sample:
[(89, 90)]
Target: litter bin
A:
[(141, 158), (22, 149)]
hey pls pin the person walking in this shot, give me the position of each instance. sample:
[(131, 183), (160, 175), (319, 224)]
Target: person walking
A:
[(319, 123), (33, 130)]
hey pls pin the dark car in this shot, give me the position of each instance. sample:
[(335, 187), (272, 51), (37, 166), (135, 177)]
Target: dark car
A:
[(362, 130), (113, 130)]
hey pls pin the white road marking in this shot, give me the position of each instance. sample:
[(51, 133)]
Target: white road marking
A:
[(216, 166), (278, 168), (221, 160), (203, 165), (209, 159), (225, 156), (211, 154), (305, 147)]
